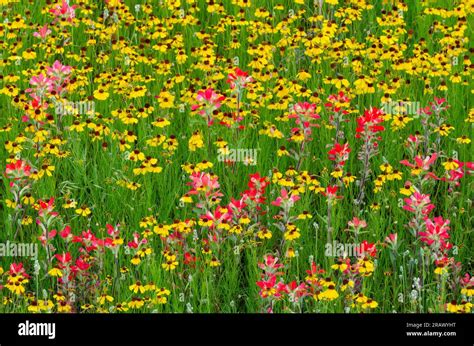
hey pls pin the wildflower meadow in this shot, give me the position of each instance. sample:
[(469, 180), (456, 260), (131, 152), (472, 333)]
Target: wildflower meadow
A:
[(236, 156)]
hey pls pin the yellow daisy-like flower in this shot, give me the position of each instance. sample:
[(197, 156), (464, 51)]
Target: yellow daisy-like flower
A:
[(101, 94), (170, 263), (55, 272), (450, 164), (83, 211)]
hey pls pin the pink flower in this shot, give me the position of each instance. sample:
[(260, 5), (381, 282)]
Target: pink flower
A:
[(296, 291), (41, 84), (392, 240), (64, 11), (203, 182), (357, 223), (58, 70), (43, 32), (336, 101), (65, 232), (287, 201), (369, 122), (418, 203), (81, 264), (63, 258), (17, 170), (267, 287), (209, 97), (436, 232), (257, 185), (238, 79), (209, 102), (367, 248), (46, 208), (339, 153), (270, 264), (303, 112), (17, 268), (331, 192), (47, 236), (421, 163), (439, 101)]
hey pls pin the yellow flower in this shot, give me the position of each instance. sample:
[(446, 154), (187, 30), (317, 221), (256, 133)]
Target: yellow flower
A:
[(292, 233), (122, 307), (463, 140), (370, 304), (161, 122), (29, 54), (337, 173), (34, 307), (137, 287), (86, 307), (16, 288), (450, 164), (304, 215), (214, 262), (170, 263), (10, 204), (196, 141), (48, 169), (162, 230), (83, 211), (204, 165), (135, 260), (136, 303), (55, 272), (303, 75), (347, 179), (205, 222), (290, 253), (386, 167), (407, 190), (468, 291), (282, 151), (330, 293), (162, 292), (101, 94), (264, 233), (102, 299), (64, 307), (346, 284), (46, 305), (452, 307), (28, 199), (186, 199), (440, 270), (375, 206), (70, 203), (165, 100), (342, 266)]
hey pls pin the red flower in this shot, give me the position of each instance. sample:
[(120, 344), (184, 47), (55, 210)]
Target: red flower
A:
[(339, 153), (369, 122), (267, 288), (238, 79), (367, 248), (436, 231), (63, 258), (19, 169)]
